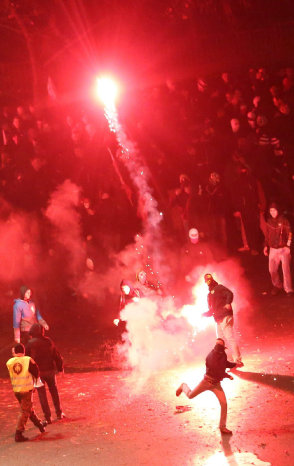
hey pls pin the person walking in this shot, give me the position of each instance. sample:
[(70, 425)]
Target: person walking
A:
[(43, 350), (216, 364), (25, 315), (23, 371), (278, 238), (220, 307)]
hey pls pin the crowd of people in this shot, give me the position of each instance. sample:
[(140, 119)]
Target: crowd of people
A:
[(227, 139)]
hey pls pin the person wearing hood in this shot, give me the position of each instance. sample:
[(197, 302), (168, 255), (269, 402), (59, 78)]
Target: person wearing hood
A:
[(128, 293), (278, 238), (216, 364), (220, 300), (43, 350), (25, 315)]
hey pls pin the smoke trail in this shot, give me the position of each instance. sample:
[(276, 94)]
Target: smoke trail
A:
[(64, 216), (139, 173)]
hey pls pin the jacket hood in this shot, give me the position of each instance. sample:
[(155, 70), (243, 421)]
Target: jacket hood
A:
[(219, 348)]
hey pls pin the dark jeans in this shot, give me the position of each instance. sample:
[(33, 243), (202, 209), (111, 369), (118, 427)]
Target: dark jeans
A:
[(25, 400), (24, 337), (50, 379)]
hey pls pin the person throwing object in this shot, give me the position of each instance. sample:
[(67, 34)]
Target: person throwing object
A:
[(216, 364)]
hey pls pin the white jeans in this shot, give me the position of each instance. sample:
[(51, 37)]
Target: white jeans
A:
[(283, 256), (225, 330)]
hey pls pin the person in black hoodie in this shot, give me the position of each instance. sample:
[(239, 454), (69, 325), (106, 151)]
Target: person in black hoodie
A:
[(42, 349), (216, 364), (278, 238), (219, 301)]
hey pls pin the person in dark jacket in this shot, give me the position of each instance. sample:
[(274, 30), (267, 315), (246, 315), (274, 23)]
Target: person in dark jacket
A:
[(278, 238), (42, 349), (23, 372), (216, 364), (128, 293), (220, 307)]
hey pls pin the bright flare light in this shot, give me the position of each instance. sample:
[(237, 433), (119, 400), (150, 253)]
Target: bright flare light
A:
[(193, 312), (107, 91)]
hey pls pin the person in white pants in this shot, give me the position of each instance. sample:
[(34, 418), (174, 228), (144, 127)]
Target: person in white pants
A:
[(219, 301), (278, 237)]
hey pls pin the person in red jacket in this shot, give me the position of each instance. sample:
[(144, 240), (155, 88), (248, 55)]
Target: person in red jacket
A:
[(219, 301), (23, 372)]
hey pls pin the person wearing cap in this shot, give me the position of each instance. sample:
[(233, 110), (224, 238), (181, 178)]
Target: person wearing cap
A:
[(43, 350), (25, 315), (23, 372), (216, 364), (220, 300), (278, 238)]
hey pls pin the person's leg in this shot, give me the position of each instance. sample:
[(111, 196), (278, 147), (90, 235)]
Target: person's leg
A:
[(201, 387), (220, 394), (219, 330), (51, 381), (228, 330), (24, 337), (286, 259), (44, 400), (25, 401), (273, 265), (34, 418)]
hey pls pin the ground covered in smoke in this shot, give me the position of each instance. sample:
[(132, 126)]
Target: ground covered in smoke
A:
[(122, 416)]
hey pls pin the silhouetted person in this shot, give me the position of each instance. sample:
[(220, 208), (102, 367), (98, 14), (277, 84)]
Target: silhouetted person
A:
[(216, 364), (42, 349)]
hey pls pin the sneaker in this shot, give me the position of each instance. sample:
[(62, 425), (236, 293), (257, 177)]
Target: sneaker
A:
[(19, 437), (41, 427), (47, 420), (290, 294), (226, 431), (244, 249), (179, 390), (61, 416), (239, 364), (275, 291)]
